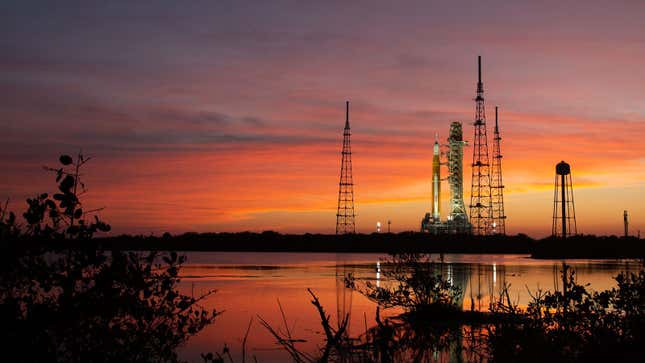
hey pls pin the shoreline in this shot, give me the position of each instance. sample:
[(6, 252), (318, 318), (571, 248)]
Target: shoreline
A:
[(578, 247)]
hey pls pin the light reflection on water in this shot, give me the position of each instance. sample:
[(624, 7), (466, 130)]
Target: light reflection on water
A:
[(250, 284)]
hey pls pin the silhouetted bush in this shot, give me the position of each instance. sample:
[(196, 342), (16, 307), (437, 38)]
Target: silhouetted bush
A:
[(84, 304), (94, 306), (573, 325), (413, 282)]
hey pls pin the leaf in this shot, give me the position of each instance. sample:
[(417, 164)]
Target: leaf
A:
[(183, 304), (79, 213), (59, 174), (66, 184), (103, 227), (58, 196), (65, 159), (50, 204)]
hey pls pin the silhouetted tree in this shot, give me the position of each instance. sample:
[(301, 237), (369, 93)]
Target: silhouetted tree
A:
[(87, 305)]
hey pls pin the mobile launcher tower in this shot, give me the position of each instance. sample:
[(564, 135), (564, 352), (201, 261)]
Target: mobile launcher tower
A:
[(457, 220)]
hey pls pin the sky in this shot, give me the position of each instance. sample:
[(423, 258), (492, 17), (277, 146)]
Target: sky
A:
[(215, 116)]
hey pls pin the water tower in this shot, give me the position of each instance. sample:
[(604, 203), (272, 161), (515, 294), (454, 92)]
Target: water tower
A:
[(564, 211)]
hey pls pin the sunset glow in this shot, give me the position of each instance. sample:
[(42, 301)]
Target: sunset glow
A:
[(219, 116)]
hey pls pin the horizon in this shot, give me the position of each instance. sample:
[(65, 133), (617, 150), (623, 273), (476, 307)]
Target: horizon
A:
[(228, 117)]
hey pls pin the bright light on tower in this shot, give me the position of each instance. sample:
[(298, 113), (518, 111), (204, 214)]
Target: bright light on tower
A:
[(378, 227)]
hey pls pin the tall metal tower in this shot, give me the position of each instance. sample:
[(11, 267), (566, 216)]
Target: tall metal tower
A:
[(457, 217), (480, 199), (345, 215), (498, 218), (564, 211)]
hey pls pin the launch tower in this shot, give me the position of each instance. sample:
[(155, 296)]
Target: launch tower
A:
[(480, 198), (457, 220), (345, 215), (457, 217)]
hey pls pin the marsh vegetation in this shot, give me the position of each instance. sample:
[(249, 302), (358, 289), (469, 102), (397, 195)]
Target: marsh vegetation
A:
[(572, 324)]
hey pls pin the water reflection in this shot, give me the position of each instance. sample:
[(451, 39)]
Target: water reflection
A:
[(249, 284), (343, 293), (378, 273)]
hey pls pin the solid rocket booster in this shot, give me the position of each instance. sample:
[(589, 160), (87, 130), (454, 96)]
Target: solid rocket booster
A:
[(436, 181)]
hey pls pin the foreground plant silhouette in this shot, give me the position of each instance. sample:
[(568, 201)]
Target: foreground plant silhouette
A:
[(83, 304), (572, 325), (414, 283)]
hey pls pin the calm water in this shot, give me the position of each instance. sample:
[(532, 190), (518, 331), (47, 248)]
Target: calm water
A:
[(250, 285)]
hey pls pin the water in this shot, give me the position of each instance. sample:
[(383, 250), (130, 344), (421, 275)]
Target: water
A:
[(255, 285)]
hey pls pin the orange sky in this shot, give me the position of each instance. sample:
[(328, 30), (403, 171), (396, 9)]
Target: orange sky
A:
[(228, 117)]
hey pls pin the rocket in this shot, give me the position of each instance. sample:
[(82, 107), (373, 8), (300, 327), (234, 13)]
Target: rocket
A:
[(436, 181)]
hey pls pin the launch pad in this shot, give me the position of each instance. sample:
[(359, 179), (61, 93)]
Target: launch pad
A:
[(457, 220), (487, 197)]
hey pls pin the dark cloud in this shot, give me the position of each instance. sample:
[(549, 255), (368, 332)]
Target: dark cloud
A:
[(193, 118), (254, 121), (37, 119)]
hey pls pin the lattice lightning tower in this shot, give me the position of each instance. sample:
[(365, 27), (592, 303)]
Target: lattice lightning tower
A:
[(345, 215), (498, 218), (480, 201)]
